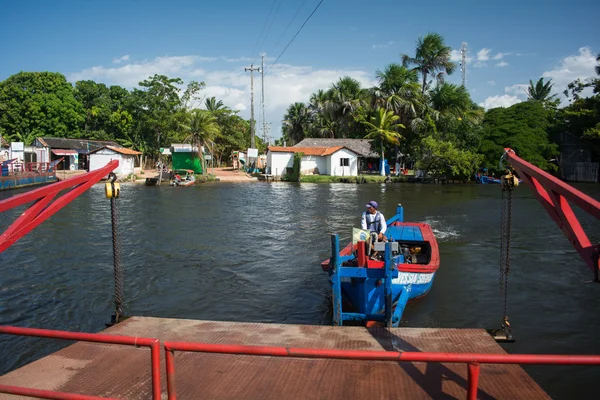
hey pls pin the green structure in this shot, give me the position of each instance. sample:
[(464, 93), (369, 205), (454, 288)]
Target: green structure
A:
[(184, 156)]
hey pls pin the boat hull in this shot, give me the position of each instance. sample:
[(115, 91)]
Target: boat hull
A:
[(26, 179), (368, 298)]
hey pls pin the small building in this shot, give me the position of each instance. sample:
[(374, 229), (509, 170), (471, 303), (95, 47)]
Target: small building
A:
[(74, 151), (102, 156), (368, 158), (186, 156), (334, 161)]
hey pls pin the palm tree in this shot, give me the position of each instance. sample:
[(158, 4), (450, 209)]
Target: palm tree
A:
[(381, 128), (431, 56), (540, 91), (200, 126), (347, 96), (453, 101), (295, 122), (398, 91), (598, 66), (213, 105)]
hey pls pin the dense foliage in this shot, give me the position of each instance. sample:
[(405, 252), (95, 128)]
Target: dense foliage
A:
[(158, 113), (417, 118), (413, 116)]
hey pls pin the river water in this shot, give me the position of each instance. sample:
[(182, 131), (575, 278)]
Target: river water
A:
[(251, 252)]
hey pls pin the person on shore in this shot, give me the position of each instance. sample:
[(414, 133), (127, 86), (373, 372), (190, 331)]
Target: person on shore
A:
[(374, 221)]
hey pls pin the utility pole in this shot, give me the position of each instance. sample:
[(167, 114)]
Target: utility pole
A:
[(463, 62), (252, 69), (262, 80)]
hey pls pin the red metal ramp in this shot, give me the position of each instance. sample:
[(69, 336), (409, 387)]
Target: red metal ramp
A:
[(115, 371)]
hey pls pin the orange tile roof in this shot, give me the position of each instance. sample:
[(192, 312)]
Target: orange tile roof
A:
[(123, 150), (308, 151)]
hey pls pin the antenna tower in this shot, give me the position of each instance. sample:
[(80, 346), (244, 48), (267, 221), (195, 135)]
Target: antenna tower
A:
[(463, 62)]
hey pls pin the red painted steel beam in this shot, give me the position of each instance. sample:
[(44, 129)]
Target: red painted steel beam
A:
[(472, 360), (384, 355), (47, 394), (554, 195), (41, 209), (153, 344)]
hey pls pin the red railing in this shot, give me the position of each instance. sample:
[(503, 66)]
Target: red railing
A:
[(473, 360), (153, 344)]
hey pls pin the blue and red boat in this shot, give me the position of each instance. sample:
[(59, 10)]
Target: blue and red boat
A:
[(376, 284)]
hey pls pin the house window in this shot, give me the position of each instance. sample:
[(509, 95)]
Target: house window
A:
[(344, 162)]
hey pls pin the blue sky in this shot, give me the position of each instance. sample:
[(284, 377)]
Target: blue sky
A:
[(509, 42)]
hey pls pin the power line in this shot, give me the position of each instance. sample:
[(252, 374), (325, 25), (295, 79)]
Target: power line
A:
[(271, 24), (288, 45), (263, 28), (290, 24)]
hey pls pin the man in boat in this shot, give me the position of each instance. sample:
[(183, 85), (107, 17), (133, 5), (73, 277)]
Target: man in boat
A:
[(374, 221)]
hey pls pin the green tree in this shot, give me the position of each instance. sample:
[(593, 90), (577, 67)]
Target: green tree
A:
[(541, 92), (431, 56), (201, 127), (581, 120), (381, 128), (156, 107), (39, 104), (524, 128), (213, 105), (295, 123), (440, 157)]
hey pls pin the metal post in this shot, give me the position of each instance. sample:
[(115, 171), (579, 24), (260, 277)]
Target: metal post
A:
[(262, 81), (387, 289), (473, 380), (251, 69), (335, 280), (400, 212), (118, 270)]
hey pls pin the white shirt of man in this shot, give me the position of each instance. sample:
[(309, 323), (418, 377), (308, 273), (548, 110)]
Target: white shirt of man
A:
[(373, 221)]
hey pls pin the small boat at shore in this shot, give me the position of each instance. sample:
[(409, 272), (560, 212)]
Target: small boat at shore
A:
[(374, 283), (183, 177)]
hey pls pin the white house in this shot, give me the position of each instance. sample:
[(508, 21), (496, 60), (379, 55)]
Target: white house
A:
[(334, 161), (102, 156)]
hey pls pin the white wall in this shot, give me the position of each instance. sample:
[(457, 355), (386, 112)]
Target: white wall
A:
[(334, 163), (312, 162), (102, 157), (278, 162)]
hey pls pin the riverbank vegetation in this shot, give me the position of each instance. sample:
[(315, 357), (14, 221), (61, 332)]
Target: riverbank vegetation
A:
[(435, 126), (159, 112), (413, 116)]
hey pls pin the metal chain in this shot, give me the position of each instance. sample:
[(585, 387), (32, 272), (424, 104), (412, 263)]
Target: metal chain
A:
[(505, 228), (118, 270), (502, 241)]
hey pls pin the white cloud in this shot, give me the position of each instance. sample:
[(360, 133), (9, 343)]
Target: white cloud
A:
[(491, 83), (580, 66), (499, 56), (519, 90), (502, 64), (483, 54), (504, 100), (383, 46), (480, 64), (120, 59), (284, 84)]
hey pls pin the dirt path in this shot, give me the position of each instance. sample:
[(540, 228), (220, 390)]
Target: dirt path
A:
[(231, 175), (224, 175)]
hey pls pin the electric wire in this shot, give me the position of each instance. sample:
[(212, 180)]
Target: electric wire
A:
[(290, 42)]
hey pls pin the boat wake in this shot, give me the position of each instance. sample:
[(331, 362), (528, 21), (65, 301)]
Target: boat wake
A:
[(443, 231)]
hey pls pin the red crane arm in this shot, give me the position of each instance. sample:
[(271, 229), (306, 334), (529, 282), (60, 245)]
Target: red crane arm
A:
[(43, 207), (555, 196)]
